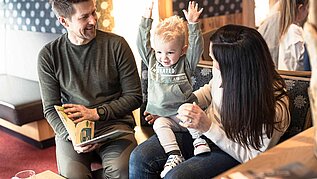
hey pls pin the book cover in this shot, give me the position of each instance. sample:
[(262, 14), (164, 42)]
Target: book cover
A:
[(80, 132)]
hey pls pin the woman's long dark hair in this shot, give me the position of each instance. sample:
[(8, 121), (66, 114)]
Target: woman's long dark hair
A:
[(249, 82)]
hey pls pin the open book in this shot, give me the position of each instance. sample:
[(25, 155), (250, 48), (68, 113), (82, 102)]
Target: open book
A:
[(82, 133)]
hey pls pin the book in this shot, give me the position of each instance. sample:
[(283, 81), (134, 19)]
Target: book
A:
[(82, 133), (105, 137)]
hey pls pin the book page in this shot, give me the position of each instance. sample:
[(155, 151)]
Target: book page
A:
[(106, 137)]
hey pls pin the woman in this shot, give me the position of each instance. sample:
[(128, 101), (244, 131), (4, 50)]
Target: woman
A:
[(292, 52), (242, 112)]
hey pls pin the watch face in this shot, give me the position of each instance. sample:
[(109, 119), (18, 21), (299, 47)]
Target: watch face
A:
[(101, 111)]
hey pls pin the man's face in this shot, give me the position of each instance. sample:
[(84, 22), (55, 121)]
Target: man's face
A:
[(81, 26)]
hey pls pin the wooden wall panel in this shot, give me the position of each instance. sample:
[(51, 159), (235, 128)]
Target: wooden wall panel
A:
[(219, 13), (211, 23)]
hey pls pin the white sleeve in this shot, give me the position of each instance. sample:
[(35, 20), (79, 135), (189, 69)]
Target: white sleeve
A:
[(291, 49)]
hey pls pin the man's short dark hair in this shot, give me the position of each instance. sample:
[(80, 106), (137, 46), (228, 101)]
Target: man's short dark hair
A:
[(64, 7)]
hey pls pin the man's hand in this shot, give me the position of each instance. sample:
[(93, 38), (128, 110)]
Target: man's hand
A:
[(86, 148), (79, 113)]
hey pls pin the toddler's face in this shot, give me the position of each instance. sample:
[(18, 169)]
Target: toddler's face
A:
[(168, 53)]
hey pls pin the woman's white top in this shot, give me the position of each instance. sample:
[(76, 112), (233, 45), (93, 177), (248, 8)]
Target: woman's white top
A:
[(291, 49), (210, 97)]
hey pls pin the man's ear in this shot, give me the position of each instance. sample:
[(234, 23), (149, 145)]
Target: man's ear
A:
[(63, 21)]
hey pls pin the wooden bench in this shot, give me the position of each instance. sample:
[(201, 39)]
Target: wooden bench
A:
[(21, 111)]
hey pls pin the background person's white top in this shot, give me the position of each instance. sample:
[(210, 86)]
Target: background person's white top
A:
[(291, 49)]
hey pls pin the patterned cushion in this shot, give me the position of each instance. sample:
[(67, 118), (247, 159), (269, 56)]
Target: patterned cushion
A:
[(201, 77), (299, 106)]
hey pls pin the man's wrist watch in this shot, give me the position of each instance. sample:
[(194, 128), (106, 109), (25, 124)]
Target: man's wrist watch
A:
[(101, 112)]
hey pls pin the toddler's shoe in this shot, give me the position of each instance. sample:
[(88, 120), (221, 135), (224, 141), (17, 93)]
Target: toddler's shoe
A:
[(200, 146), (172, 161)]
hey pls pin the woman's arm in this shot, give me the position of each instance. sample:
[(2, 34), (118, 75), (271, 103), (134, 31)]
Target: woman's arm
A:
[(203, 95)]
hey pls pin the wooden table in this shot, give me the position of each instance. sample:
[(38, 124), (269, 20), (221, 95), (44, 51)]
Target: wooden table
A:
[(296, 149), (48, 175)]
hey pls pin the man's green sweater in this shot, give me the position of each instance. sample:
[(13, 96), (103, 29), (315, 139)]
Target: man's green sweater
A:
[(102, 72)]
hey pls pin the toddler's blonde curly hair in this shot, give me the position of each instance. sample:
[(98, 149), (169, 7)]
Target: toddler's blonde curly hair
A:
[(171, 28)]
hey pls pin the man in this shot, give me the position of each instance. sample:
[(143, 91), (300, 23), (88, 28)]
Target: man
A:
[(93, 75)]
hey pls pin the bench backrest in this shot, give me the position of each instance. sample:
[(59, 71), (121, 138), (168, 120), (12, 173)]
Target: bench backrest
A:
[(297, 84)]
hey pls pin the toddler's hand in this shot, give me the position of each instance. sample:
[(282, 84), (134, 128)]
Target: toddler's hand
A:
[(148, 10), (192, 14), (150, 118)]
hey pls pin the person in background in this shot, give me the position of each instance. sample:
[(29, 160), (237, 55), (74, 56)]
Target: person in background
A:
[(171, 65), (291, 41), (243, 111), (270, 29), (93, 74)]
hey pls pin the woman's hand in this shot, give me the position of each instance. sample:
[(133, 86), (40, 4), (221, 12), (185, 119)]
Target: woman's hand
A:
[(192, 116), (150, 118), (79, 113)]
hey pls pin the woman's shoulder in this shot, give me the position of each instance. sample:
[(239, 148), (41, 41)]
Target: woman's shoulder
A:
[(293, 35), (295, 30)]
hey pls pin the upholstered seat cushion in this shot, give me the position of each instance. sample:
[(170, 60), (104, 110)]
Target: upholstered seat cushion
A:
[(20, 100)]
